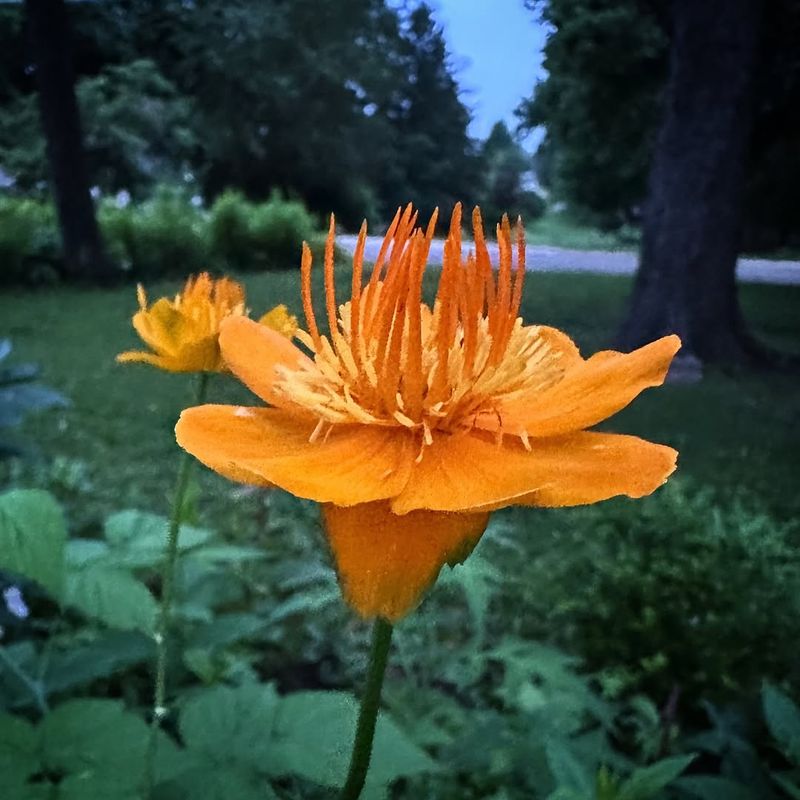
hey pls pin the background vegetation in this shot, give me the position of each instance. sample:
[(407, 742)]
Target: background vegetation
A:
[(620, 652)]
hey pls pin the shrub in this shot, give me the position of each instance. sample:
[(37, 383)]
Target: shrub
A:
[(263, 235), (670, 593), (28, 239), (165, 235)]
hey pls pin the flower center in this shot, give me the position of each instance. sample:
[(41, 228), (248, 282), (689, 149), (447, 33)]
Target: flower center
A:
[(393, 360)]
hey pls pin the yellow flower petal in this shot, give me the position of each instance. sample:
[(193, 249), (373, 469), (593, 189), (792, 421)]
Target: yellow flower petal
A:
[(280, 320), (385, 562), (353, 464), (183, 331), (470, 472)]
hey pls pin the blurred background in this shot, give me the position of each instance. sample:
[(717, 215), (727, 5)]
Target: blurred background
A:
[(619, 652)]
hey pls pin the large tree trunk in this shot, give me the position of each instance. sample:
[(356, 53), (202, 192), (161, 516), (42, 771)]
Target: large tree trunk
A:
[(84, 255), (686, 282)]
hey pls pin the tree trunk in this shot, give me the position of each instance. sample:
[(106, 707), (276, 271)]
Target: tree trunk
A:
[(686, 282), (84, 254)]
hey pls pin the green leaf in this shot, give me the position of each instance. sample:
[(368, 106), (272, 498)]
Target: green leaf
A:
[(32, 538), (19, 750), (80, 552), (228, 553), (99, 744), (138, 538), (109, 653), (783, 720), (569, 773), (314, 733), (227, 629), (647, 782), (714, 787), (112, 596), (224, 725), (218, 783), (307, 602), (791, 788)]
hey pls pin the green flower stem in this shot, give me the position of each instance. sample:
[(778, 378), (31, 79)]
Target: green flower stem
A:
[(368, 715), (164, 622)]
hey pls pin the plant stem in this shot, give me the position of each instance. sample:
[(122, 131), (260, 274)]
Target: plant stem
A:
[(34, 687), (368, 715), (164, 622)]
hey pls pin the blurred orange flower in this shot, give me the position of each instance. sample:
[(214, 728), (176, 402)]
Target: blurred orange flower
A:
[(183, 333), (410, 423)]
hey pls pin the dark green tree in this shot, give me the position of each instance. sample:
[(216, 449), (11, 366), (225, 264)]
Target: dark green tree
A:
[(505, 168), (606, 63), (84, 255), (434, 161)]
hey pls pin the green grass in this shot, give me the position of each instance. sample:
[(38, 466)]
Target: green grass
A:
[(737, 432)]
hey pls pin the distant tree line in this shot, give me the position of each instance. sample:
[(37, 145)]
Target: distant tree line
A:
[(350, 106)]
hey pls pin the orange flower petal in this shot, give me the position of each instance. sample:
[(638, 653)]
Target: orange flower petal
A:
[(252, 351), (468, 472), (385, 562), (559, 342), (266, 446), (590, 391)]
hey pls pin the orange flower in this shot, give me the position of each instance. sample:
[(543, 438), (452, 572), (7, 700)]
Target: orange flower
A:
[(184, 333), (411, 423)]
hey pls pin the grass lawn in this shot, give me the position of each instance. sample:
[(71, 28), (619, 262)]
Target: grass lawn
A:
[(736, 432)]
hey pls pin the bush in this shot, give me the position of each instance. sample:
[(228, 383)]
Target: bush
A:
[(267, 235), (28, 239), (670, 593), (166, 235)]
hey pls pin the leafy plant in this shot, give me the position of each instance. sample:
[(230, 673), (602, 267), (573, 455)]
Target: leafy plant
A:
[(20, 395), (702, 599), (29, 239), (163, 236), (255, 235)]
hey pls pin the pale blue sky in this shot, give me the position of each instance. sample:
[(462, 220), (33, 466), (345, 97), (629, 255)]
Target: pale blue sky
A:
[(496, 46)]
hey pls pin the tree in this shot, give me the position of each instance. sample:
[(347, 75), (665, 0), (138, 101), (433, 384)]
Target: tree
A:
[(606, 64), (693, 216), (505, 165), (435, 162), (601, 103), (84, 255)]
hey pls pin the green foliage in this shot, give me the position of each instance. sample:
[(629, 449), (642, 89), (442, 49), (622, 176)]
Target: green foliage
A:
[(505, 167), (32, 537), (668, 575), (601, 103), (783, 720), (606, 64), (165, 235), (247, 235), (20, 396), (29, 239), (137, 131)]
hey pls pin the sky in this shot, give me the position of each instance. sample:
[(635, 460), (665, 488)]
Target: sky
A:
[(496, 47)]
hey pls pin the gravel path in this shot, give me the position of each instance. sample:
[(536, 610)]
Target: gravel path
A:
[(619, 262)]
